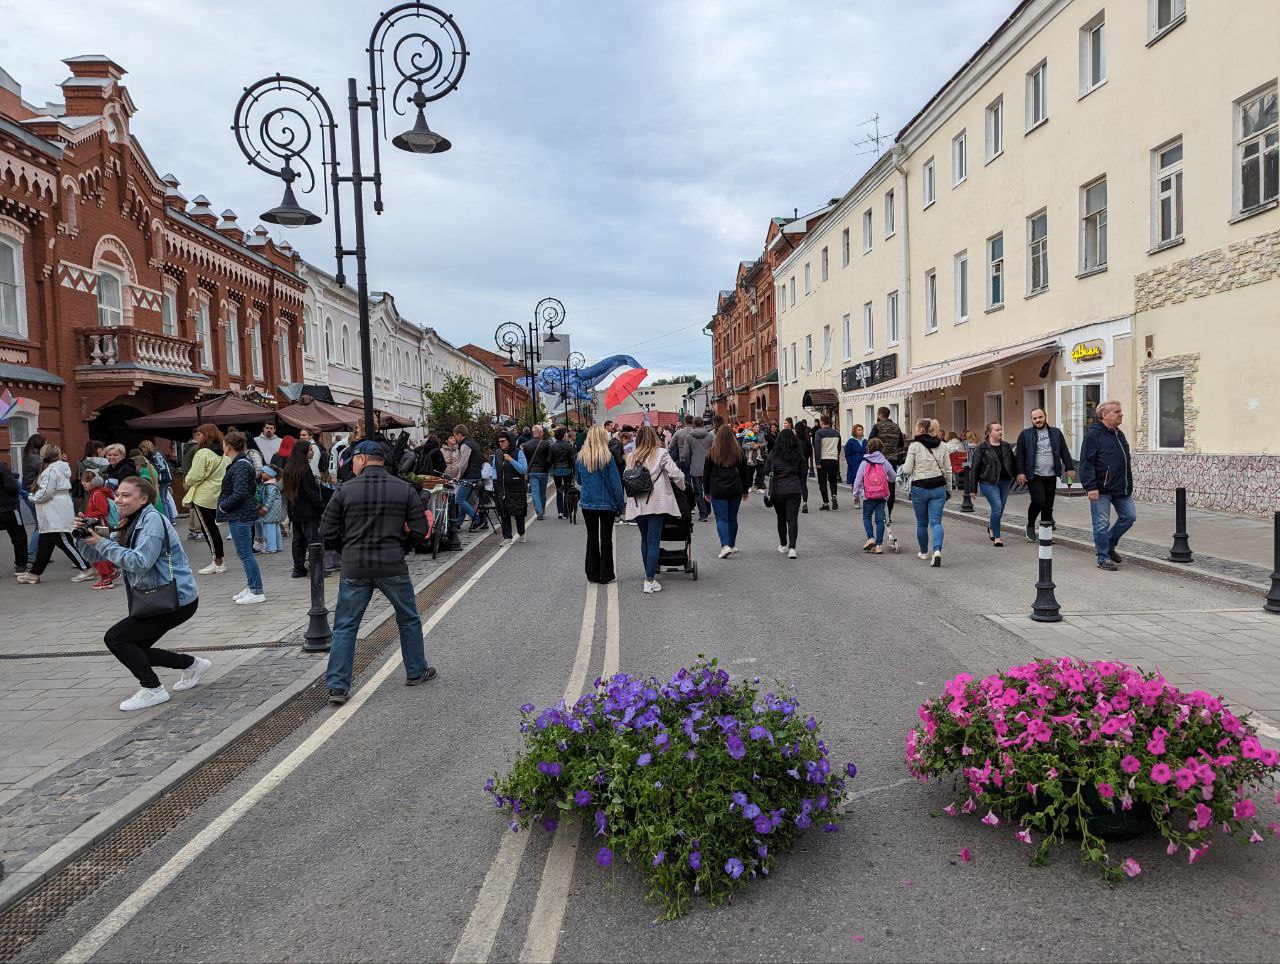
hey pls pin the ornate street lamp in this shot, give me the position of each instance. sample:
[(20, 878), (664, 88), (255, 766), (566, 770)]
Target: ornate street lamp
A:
[(510, 338), (280, 120)]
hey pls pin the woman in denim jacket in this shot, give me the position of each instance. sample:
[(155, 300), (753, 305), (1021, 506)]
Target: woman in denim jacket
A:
[(149, 553)]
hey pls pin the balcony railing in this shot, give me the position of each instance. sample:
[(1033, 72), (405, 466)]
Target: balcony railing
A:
[(128, 346)]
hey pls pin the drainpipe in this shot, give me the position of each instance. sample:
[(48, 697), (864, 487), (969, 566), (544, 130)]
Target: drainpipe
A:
[(904, 307)]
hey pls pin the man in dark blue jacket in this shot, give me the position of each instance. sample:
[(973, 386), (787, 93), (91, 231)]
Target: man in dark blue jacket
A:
[(1042, 457), (1106, 473)]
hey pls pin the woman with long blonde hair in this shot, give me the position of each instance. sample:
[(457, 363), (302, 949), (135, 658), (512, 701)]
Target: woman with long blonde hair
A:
[(601, 501), (649, 510)]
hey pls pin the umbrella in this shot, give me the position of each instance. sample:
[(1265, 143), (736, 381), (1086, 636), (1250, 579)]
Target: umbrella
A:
[(385, 419), (228, 409), (624, 385), (310, 413)]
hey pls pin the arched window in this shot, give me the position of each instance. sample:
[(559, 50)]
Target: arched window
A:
[(13, 303), (373, 355), (328, 340), (255, 349), (110, 305), (286, 374), (233, 341), (308, 339), (346, 345)]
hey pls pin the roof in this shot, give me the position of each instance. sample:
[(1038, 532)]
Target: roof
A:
[(20, 133), (29, 374)]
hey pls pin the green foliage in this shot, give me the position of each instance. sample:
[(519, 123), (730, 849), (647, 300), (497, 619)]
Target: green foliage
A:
[(675, 380), (455, 402)]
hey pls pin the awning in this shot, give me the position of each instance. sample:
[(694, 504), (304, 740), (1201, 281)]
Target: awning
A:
[(228, 409), (770, 378), (820, 398), (951, 373), (893, 388)]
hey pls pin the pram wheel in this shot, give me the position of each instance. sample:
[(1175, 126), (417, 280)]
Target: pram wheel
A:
[(693, 568)]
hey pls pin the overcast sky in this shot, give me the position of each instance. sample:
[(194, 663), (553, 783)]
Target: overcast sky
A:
[(620, 156)]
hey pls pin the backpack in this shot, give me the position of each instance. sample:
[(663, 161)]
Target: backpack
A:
[(637, 481), (875, 482)]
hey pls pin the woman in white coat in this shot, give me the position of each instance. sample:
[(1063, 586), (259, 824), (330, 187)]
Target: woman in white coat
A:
[(56, 516)]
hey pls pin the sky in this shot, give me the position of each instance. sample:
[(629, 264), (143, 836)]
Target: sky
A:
[(620, 156)]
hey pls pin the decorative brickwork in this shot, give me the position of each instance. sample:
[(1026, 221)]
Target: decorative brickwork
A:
[(1243, 263), (1244, 484), (1188, 365)]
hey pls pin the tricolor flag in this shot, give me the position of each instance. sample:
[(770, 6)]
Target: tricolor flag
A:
[(8, 405)]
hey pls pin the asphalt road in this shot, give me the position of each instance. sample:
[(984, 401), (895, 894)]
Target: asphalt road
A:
[(377, 845)]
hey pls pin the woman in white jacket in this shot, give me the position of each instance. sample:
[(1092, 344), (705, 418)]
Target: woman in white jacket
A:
[(56, 515), (930, 472)]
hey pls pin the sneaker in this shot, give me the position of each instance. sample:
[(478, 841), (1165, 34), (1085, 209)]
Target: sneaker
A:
[(300, 574), (522, 538), (28, 578), (213, 567), (145, 698), (428, 674), (504, 543), (84, 576), (733, 549), (251, 598), (824, 508), (877, 551), (193, 674), (782, 549), (241, 594), (725, 552), (834, 504), (868, 545), (791, 554), (657, 586), (650, 586), (338, 697), (1031, 534), (922, 555), (1108, 565), (103, 584), (998, 542), (259, 547), (1114, 556), (805, 508), (937, 560)]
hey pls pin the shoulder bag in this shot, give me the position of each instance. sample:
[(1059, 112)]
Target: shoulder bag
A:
[(158, 600)]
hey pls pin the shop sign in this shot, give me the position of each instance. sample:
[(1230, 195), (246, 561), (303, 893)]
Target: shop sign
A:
[(868, 373), (1087, 351)]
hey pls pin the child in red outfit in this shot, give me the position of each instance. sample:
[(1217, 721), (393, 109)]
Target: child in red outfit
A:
[(98, 506)]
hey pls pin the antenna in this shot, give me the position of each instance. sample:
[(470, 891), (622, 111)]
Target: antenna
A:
[(871, 142)]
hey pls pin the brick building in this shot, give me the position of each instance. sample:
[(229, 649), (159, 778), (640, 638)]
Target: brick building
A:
[(117, 297), (511, 399)]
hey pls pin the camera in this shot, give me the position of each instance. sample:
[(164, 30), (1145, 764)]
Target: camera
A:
[(89, 524)]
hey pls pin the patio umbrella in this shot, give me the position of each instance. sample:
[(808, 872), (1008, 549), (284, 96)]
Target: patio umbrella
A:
[(624, 385), (385, 419), (228, 409), (319, 416)]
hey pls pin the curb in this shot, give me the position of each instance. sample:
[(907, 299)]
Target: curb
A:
[(18, 882)]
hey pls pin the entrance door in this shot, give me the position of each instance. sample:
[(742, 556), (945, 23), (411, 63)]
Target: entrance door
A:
[(1079, 405), (1032, 398)]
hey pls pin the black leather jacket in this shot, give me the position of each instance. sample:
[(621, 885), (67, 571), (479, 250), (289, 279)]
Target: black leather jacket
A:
[(988, 460)]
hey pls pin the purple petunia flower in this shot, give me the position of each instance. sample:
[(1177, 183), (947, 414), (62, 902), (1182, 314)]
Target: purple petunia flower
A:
[(550, 769), (644, 759), (803, 821), (734, 744), (739, 799), (811, 724), (830, 828), (582, 798), (764, 823), (489, 785), (762, 851), (695, 860), (750, 811), (515, 827), (527, 707), (659, 857), (852, 770), (604, 857), (733, 867), (549, 824), (602, 821)]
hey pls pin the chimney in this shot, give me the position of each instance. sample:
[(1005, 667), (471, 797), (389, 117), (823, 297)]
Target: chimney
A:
[(228, 228), (259, 237), (94, 80), (202, 212), (172, 196)]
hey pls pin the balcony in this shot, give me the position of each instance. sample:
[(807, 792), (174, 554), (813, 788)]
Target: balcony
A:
[(128, 355)]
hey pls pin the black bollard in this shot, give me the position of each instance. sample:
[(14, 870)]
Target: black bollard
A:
[(966, 504), (1045, 609), (318, 633), (1273, 597), (1181, 551)]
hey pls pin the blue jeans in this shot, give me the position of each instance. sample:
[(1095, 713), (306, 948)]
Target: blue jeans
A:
[(726, 511), (242, 538), (1105, 535), (996, 494), (650, 539), (34, 542), (874, 509), (538, 483), (928, 504), (463, 499), (164, 500), (348, 611)]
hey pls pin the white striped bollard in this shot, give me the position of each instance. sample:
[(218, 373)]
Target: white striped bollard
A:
[(1046, 609)]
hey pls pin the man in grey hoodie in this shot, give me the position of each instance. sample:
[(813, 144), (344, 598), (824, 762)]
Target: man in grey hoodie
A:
[(697, 443)]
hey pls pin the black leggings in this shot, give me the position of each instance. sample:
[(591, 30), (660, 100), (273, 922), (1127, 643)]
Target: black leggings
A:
[(44, 551), (599, 525), (209, 523), (304, 533), (505, 521), (18, 536), (131, 641), (893, 494), (788, 509)]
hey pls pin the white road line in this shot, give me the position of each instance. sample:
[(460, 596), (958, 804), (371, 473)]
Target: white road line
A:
[(131, 906), (476, 942), (1266, 728)]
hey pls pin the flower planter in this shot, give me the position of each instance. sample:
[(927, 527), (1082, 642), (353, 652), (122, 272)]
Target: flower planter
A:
[(1102, 821)]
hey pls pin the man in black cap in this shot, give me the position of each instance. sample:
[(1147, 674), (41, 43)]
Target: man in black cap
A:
[(365, 520)]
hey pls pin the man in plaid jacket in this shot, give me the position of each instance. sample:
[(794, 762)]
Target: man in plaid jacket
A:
[(365, 521)]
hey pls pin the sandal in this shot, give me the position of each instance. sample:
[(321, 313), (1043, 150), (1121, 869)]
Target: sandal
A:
[(997, 543), (989, 535)]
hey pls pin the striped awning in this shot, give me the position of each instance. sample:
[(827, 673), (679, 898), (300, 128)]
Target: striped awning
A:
[(951, 373)]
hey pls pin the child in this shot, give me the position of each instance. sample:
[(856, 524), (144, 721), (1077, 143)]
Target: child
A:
[(875, 476), (98, 505), (488, 473), (272, 503)]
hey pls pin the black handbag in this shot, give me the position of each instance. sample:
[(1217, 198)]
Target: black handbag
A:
[(159, 600)]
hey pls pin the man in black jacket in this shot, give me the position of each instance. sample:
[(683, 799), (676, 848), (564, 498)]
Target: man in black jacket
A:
[(1042, 456), (470, 462), (9, 517), (1106, 474), (365, 520), (537, 455)]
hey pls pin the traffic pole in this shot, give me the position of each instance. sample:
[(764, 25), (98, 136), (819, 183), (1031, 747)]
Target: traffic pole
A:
[(1181, 551), (318, 633), (966, 503), (1046, 609), (1273, 597)]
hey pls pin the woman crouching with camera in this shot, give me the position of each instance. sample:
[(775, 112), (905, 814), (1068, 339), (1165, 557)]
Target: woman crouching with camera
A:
[(160, 588)]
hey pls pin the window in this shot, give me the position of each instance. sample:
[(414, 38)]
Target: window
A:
[(960, 416), (205, 336), (891, 316), (1093, 226), (826, 347), (962, 287), (782, 299), (808, 354), (13, 303), (793, 291), (866, 231), (824, 269), (233, 342), (310, 335), (785, 379), (930, 301), (346, 345), (795, 363), (888, 215), (995, 271), (1258, 149), (848, 339), (168, 314), (286, 375), (995, 129), (808, 286), (1163, 14), (110, 307), (844, 248), (1037, 95), (255, 350), (868, 329), (1037, 252), (1093, 54), (328, 341), (1167, 193), (959, 158), (930, 183), (993, 407), (1168, 428)]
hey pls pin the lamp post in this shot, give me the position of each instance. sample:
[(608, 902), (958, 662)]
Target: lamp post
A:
[(510, 337), (280, 120), (576, 362)]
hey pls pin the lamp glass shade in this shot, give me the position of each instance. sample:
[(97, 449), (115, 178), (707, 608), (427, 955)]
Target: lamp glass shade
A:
[(421, 139), (289, 213)]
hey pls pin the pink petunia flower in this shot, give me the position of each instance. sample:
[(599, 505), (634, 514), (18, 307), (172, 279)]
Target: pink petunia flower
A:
[(1024, 835), (1244, 809), (1204, 816), (1171, 849), (949, 809), (991, 820), (1130, 764), (1161, 774), (1255, 837), (965, 855), (1132, 867), (1185, 778), (1106, 791), (1196, 853)]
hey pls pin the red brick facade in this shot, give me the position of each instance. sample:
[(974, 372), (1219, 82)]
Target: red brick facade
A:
[(510, 398), (129, 301)]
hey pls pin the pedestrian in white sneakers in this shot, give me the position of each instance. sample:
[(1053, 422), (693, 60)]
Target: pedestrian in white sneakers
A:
[(55, 516), (649, 484), (204, 483), (238, 501), (160, 588)]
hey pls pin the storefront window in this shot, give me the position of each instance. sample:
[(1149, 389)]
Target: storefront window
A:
[(1170, 415)]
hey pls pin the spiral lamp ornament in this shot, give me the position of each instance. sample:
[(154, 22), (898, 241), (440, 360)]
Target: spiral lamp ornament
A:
[(548, 315)]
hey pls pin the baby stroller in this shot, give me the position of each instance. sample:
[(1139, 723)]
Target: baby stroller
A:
[(678, 530)]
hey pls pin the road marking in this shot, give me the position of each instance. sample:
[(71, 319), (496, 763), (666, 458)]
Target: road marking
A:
[(131, 906), (1266, 728), (476, 942)]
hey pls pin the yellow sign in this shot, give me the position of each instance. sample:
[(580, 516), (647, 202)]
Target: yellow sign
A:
[(1087, 351)]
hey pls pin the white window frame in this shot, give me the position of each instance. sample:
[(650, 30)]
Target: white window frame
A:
[(962, 287), (255, 349), (959, 158), (995, 129), (1153, 417), (844, 248), (1175, 13), (808, 278), (848, 338), (868, 329), (1167, 186), (17, 326), (110, 316), (1267, 141), (330, 341), (892, 329), (1093, 56), (931, 301), (995, 272), (345, 344), (792, 292), (929, 176), (1037, 250), (890, 214), (169, 312), (824, 265), (286, 368), (785, 376), (781, 294), (1037, 106), (808, 354), (866, 230), (232, 341), (204, 332), (1093, 229), (826, 348), (795, 363)]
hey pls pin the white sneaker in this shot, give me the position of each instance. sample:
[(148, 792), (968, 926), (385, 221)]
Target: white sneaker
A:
[(250, 598), (241, 594), (212, 568), (29, 578), (657, 586), (733, 548), (937, 559), (84, 576), (504, 543), (922, 555), (145, 698), (193, 674), (791, 554), (522, 538), (725, 552), (782, 549), (650, 587)]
